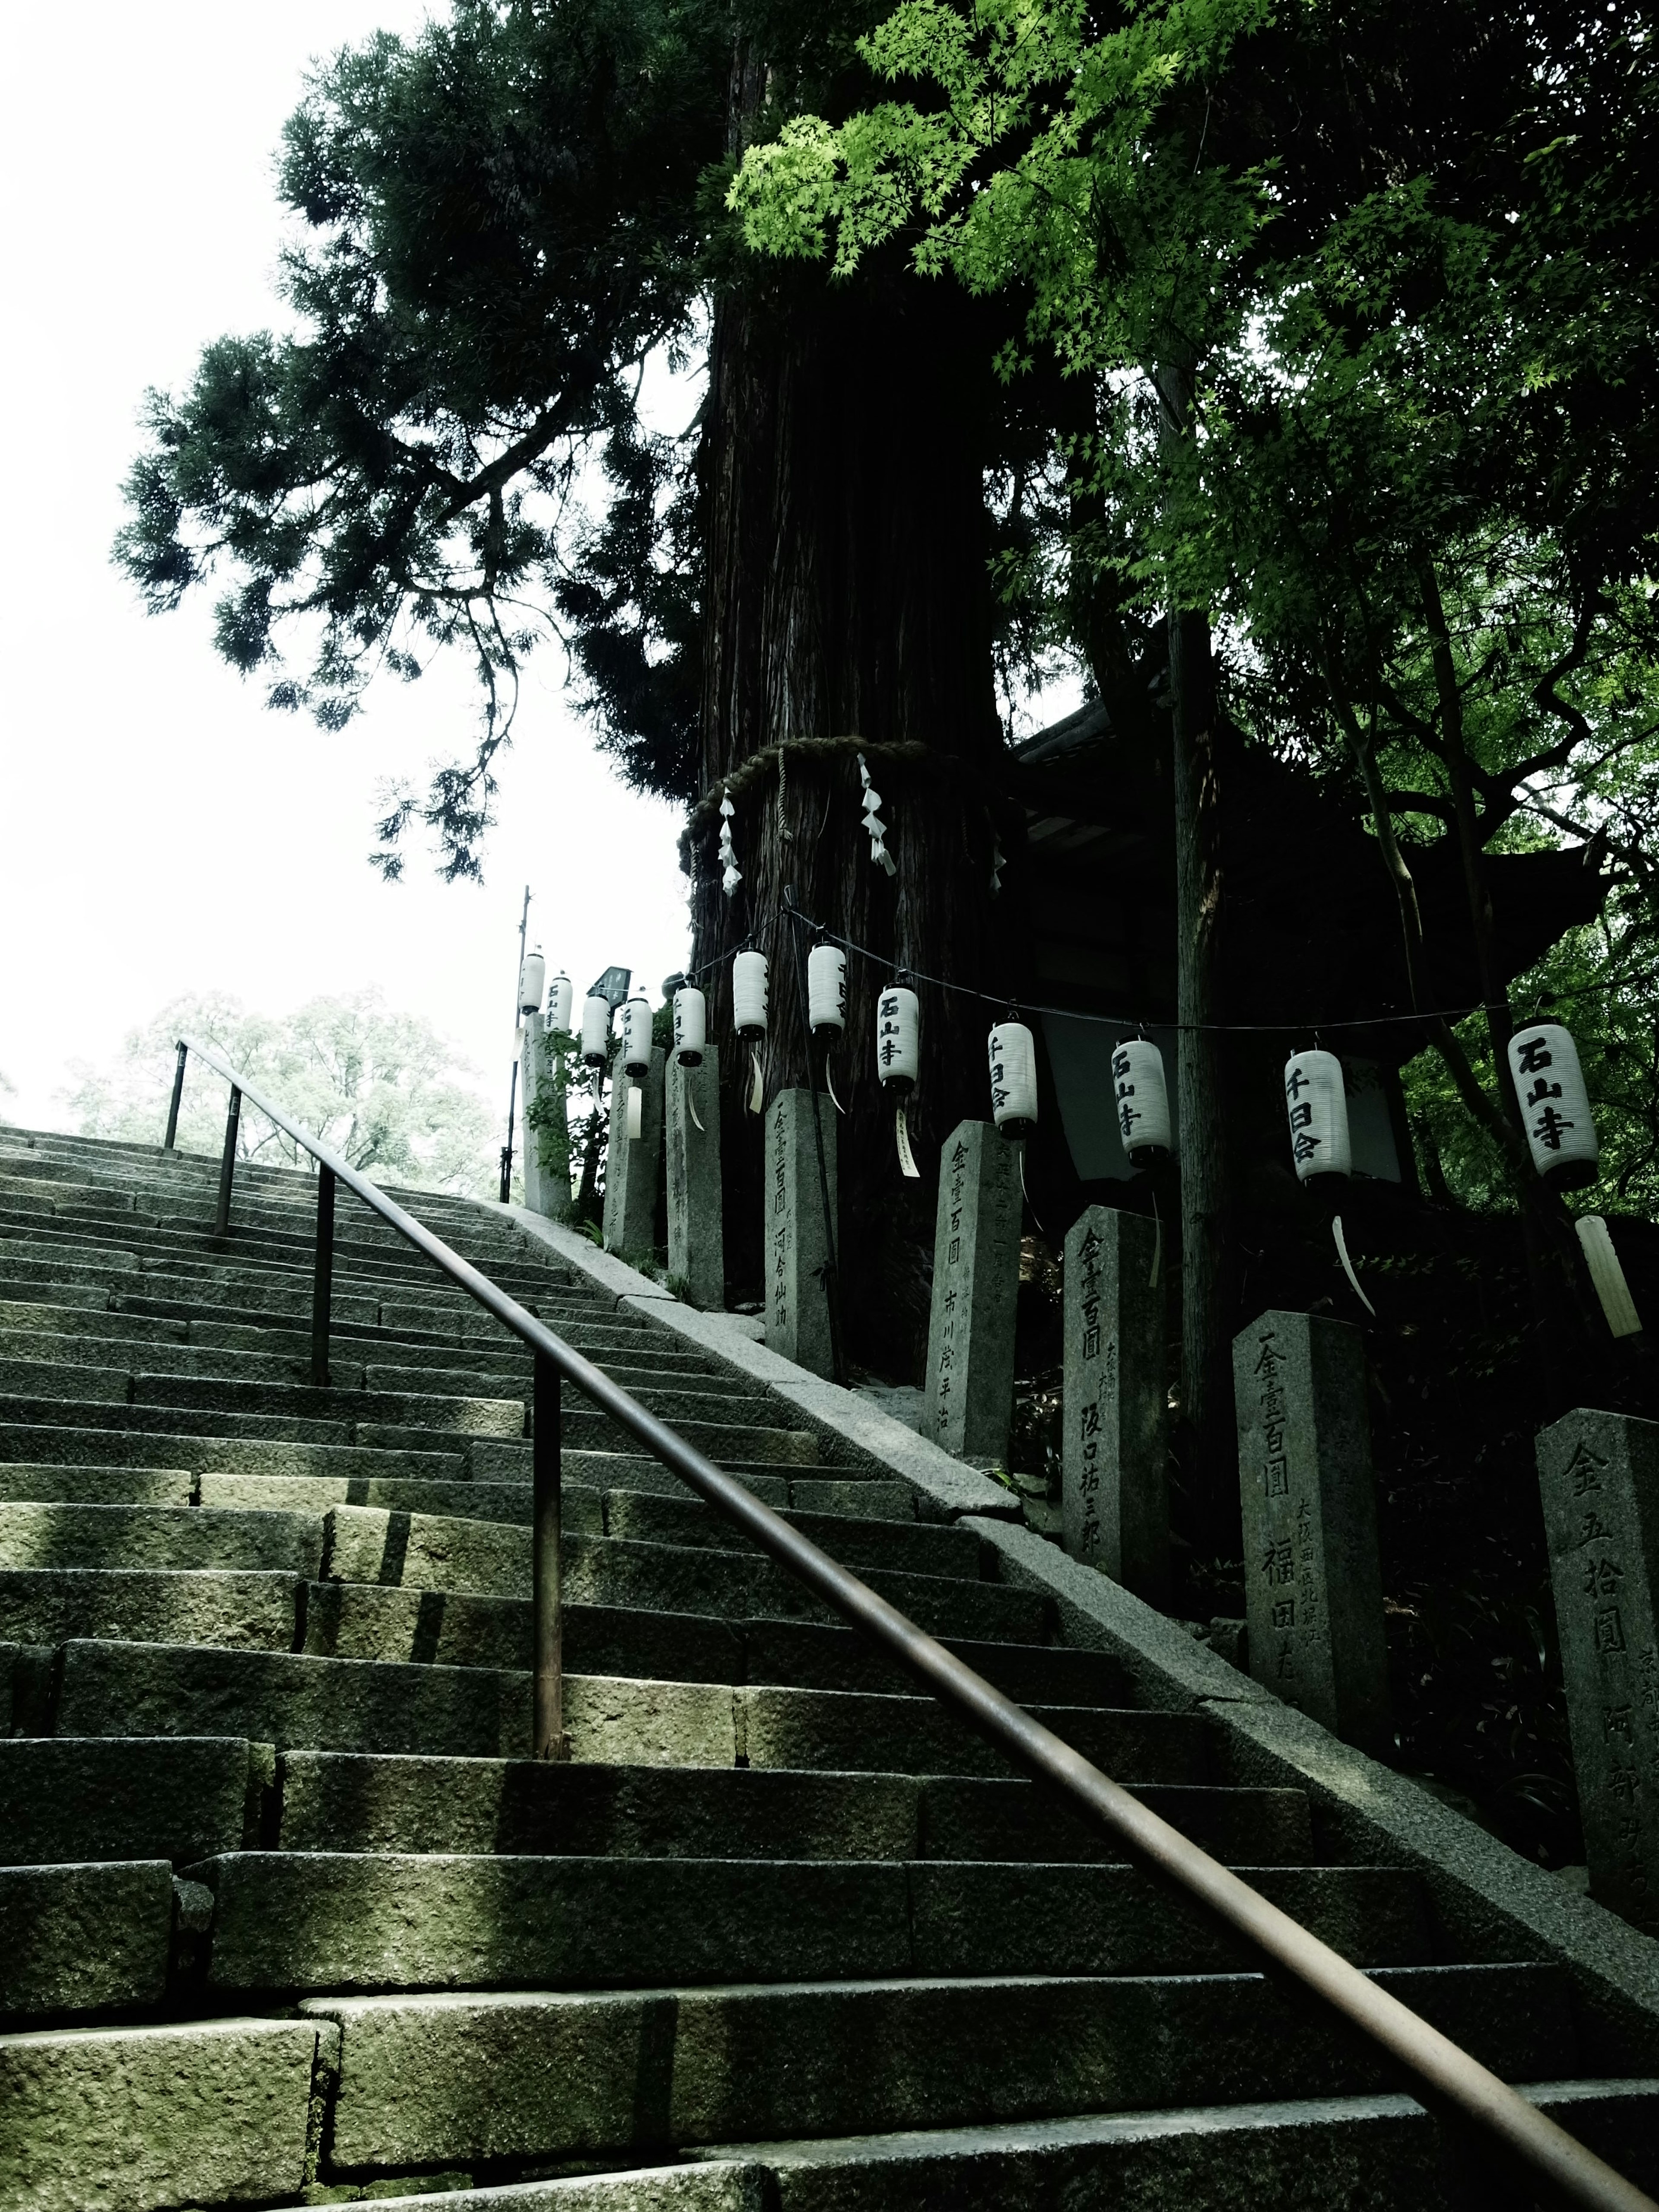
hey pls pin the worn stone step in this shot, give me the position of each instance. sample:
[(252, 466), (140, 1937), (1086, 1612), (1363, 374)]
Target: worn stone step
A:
[(465, 1500), (112, 1688), (65, 1445), (135, 2119), (313, 1921), (103, 1486), (253, 1610), (918, 1548), (353, 1620), (38, 1417), (345, 1801), (298, 1405), (857, 1731), (303, 1701), (441, 2078), (722, 1441), (420, 1552), (633, 1368), (1377, 2152), (712, 2184), (431, 1629), (145, 1536), (178, 1798), (82, 1938), (86, 1349), (823, 1655)]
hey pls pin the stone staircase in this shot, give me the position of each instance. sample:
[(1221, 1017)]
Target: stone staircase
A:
[(287, 1916)]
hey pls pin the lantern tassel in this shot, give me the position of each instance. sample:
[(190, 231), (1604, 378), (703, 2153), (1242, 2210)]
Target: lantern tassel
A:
[(902, 1137), (756, 1086), (691, 1108), (1348, 1265), (829, 1087), (1158, 1244), (636, 1113)]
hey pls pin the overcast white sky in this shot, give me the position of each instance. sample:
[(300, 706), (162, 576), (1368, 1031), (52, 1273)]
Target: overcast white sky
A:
[(160, 831)]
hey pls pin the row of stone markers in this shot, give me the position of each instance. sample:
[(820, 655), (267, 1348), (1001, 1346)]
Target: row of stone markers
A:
[(1313, 1578)]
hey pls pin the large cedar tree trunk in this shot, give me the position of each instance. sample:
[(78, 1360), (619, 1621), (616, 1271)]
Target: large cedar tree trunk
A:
[(847, 596)]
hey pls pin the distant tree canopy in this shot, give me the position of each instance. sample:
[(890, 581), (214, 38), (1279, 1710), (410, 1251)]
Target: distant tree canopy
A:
[(383, 1088)]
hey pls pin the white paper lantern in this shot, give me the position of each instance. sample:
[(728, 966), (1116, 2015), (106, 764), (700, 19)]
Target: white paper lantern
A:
[(898, 1038), (749, 993), (636, 1037), (560, 999), (1013, 1078), (826, 988), (690, 1025), (533, 977), (596, 1030), (1142, 1101), (1316, 1101), (1554, 1104)]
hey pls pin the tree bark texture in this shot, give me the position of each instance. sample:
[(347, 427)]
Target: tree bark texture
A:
[(1207, 1318), (846, 598)]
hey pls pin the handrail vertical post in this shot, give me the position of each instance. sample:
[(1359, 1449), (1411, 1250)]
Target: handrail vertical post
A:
[(227, 1164), (550, 1740), (322, 1288), (177, 1094)]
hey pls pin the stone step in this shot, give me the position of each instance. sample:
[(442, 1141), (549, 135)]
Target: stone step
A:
[(439, 2079), (1380, 2152), (204, 2112), (353, 1620), (301, 1701), (422, 1552), (696, 1392), (149, 1536), (289, 1699), (308, 1922), (252, 1609), (177, 1798), (476, 1499), (344, 1802), (65, 1445), (722, 1441), (99, 1221), (294, 1404), (712, 2184), (920, 1547), (114, 1486), (188, 1251), (82, 1938)]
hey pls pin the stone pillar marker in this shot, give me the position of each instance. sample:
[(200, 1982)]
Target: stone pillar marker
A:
[(1313, 1581), (970, 1329), (545, 1151), (552, 1139), (1114, 1480), (630, 1173), (797, 1306), (530, 1164), (1599, 1475), (697, 1235)]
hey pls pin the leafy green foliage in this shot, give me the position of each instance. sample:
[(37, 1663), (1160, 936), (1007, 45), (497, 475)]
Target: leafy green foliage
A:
[(497, 227), (1370, 382), (383, 1088)]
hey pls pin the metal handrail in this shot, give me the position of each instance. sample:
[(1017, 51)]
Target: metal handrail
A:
[(1440, 2074)]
